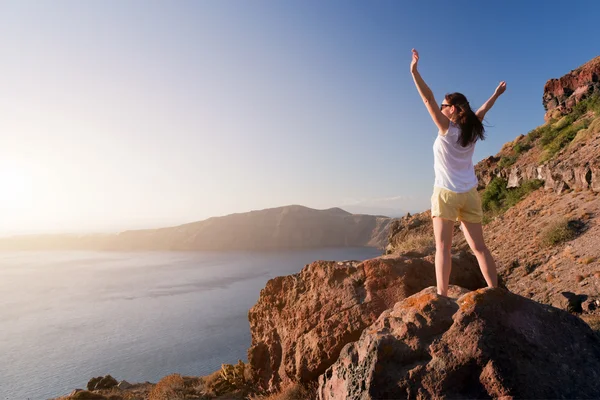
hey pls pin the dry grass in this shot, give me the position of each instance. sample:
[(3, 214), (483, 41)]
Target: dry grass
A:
[(561, 123), (139, 392), (558, 232), (418, 242), (168, 388), (292, 392), (210, 382), (177, 387), (587, 133)]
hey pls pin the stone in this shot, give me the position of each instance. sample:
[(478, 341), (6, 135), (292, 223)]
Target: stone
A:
[(124, 385), (100, 382), (489, 343), (561, 95), (301, 322)]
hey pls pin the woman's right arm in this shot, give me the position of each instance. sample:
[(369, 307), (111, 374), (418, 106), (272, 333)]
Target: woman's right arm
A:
[(427, 96)]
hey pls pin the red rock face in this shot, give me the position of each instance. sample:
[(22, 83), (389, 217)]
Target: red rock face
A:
[(561, 95), (487, 344), (301, 322)]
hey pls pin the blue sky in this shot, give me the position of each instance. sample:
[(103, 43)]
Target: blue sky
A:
[(129, 114)]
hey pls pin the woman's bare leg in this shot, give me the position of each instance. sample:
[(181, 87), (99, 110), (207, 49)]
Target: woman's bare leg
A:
[(443, 230), (474, 235)]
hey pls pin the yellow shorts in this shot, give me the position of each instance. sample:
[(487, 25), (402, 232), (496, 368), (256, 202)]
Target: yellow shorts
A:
[(456, 206)]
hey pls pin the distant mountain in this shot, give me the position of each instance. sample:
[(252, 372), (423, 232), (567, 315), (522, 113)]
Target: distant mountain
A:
[(288, 227)]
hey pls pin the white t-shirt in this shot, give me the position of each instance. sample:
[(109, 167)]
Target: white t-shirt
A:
[(453, 164)]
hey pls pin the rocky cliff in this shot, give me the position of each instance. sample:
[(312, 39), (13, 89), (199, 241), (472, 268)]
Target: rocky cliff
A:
[(301, 322), (562, 94)]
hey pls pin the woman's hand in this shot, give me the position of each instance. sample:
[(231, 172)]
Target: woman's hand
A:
[(415, 61), (500, 89)]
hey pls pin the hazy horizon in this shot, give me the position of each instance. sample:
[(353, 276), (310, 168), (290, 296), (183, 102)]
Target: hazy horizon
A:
[(146, 114), (117, 229)]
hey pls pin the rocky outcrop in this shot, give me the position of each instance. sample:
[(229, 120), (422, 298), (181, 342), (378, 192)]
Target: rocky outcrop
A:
[(561, 95), (301, 322), (575, 167), (557, 176), (487, 343), (102, 382)]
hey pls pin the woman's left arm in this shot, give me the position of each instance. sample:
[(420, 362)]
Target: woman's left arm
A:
[(490, 103)]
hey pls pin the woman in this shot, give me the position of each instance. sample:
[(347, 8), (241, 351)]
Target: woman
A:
[(455, 196)]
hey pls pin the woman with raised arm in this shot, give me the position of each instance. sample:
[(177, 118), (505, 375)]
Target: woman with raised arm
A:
[(455, 196)]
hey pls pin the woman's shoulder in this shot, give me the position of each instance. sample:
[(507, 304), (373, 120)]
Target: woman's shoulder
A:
[(453, 129)]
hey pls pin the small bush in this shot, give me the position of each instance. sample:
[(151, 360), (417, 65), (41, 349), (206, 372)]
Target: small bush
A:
[(521, 147), (555, 136), (561, 231), (497, 198), (168, 388), (494, 194), (534, 134), (507, 161)]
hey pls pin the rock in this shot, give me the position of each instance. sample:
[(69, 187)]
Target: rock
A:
[(301, 322), (100, 382), (573, 302), (86, 395), (488, 343), (92, 383), (514, 178), (561, 95), (124, 385)]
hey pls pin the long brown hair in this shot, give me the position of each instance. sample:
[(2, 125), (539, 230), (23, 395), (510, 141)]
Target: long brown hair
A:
[(471, 128)]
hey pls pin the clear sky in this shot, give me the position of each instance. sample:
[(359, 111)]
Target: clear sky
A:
[(132, 114)]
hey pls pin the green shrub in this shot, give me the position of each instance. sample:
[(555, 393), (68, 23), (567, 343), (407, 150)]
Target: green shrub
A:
[(561, 138), (497, 198), (536, 133), (494, 194), (521, 147), (507, 161), (548, 134), (515, 195)]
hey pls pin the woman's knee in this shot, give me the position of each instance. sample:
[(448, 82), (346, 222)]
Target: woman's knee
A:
[(479, 248), (444, 247)]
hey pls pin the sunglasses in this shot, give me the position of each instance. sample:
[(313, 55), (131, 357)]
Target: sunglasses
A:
[(444, 105)]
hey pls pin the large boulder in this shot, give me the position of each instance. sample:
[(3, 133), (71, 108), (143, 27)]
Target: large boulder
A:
[(487, 343), (302, 321)]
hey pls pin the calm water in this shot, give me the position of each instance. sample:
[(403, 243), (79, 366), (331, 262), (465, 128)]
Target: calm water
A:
[(68, 316)]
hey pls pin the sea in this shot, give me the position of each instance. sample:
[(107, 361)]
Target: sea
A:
[(66, 317)]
